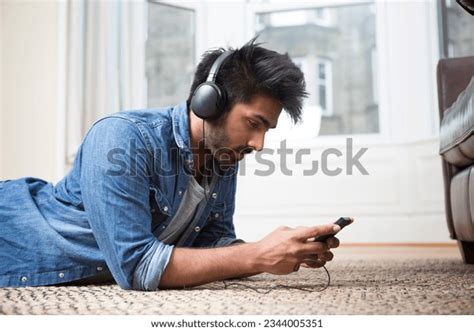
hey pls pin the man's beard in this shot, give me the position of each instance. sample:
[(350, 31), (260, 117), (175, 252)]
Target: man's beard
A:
[(217, 143)]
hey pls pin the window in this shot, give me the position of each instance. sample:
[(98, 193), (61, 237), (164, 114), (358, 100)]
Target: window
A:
[(317, 16), (457, 30), (322, 16), (302, 63), (324, 86), (170, 53), (338, 57)]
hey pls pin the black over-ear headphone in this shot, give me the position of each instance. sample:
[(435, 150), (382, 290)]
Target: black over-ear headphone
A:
[(209, 98)]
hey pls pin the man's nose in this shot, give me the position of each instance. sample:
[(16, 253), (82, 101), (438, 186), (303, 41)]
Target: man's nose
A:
[(257, 142)]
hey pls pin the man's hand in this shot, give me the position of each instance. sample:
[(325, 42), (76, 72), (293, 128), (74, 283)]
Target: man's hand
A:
[(318, 260), (283, 251)]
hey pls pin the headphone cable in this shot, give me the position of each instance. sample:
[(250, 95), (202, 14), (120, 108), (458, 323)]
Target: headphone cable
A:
[(226, 285), (301, 288), (202, 152)]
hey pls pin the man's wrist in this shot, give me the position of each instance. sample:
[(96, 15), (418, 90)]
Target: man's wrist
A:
[(254, 263)]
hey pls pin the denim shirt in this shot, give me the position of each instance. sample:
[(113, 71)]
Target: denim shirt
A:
[(106, 214)]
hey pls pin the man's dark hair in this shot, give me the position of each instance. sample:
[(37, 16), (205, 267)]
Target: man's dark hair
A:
[(253, 70)]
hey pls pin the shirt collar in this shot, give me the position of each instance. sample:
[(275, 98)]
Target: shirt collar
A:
[(180, 120)]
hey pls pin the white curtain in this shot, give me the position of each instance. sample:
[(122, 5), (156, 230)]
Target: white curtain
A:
[(105, 69)]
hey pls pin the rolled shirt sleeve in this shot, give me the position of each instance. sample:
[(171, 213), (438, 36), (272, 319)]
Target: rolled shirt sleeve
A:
[(227, 241), (115, 168)]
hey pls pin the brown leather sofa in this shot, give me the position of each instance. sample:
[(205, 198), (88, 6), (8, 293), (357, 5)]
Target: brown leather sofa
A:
[(456, 110)]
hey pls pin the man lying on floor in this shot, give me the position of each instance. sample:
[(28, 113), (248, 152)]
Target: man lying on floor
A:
[(149, 204)]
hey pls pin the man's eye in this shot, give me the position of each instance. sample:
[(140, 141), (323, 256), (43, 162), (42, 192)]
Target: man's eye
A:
[(253, 124)]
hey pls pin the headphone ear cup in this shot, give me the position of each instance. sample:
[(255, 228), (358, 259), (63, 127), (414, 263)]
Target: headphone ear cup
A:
[(207, 101)]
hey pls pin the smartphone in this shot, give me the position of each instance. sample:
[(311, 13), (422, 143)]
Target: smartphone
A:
[(342, 222)]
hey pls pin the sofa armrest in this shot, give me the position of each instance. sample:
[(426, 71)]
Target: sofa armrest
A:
[(453, 75)]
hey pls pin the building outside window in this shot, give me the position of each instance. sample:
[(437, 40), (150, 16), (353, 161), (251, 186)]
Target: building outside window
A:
[(170, 53), (336, 45), (457, 30)]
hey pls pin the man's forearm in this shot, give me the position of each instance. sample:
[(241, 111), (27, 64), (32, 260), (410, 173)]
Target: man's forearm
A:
[(192, 266)]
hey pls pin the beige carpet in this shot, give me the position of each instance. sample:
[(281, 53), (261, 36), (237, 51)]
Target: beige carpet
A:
[(363, 281)]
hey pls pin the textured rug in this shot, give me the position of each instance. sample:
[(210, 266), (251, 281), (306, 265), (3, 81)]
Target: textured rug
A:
[(358, 286)]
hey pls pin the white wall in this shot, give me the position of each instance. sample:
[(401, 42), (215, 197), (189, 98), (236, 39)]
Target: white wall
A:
[(29, 93), (401, 200)]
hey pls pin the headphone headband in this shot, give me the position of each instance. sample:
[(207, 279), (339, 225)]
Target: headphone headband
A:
[(216, 65)]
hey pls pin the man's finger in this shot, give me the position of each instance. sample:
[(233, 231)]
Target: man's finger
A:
[(315, 231), (313, 248), (313, 263), (332, 242), (326, 256)]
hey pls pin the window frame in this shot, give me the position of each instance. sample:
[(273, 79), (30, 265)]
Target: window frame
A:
[(326, 20)]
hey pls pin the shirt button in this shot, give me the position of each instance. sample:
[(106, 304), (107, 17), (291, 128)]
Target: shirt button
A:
[(24, 279), (164, 226), (216, 215), (180, 192), (99, 268), (197, 229), (61, 275), (214, 195), (166, 208)]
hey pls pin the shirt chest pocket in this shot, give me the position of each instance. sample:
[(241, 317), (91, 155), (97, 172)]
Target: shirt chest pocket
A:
[(217, 214), (160, 208)]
